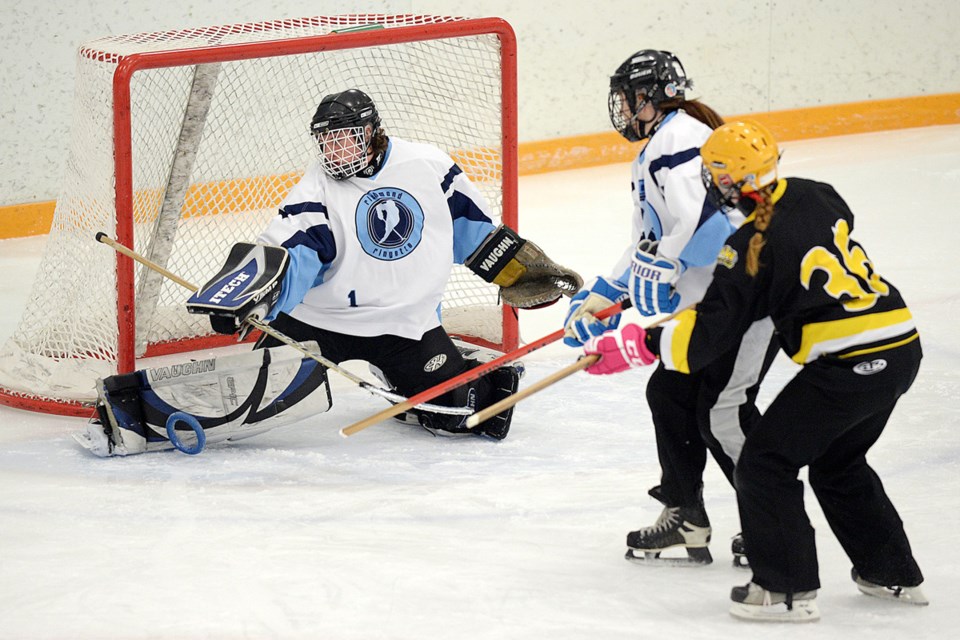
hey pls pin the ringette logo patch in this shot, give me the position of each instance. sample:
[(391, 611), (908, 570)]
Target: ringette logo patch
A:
[(389, 223)]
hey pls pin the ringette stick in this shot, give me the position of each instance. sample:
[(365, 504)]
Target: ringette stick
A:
[(262, 326), (582, 363), (539, 385), (472, 374)]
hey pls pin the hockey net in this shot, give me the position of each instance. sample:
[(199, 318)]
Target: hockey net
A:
[(185, 142)]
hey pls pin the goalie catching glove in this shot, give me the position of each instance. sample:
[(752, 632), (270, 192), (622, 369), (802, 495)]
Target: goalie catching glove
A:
[(527, 277), (247, 287)]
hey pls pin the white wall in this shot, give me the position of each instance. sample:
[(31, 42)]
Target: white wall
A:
[(744, 56)]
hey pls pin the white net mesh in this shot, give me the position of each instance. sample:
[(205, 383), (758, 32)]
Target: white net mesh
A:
[(214, 149)]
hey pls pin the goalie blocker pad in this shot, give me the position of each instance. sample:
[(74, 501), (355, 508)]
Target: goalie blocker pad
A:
[(248, 285), (231, 397)]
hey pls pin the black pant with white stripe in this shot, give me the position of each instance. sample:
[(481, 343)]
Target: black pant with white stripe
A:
[(713, 408), (410, 365)]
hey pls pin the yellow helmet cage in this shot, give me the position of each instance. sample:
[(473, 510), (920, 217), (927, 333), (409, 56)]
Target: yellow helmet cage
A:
[(742, 154)]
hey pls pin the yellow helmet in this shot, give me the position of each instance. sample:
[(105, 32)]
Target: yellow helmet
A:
[(739, 157)]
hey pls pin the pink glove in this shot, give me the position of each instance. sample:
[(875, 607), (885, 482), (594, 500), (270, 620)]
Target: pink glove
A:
[(619, 351)]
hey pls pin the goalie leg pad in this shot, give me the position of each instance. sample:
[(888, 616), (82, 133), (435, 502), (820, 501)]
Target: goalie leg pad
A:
[(232, 398), (488, 390), (503, 382)]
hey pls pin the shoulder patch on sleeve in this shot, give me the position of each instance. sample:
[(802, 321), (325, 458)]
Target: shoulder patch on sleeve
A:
[(727, 257)]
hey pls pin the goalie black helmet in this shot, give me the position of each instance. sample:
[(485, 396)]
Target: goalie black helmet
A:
[(340, 126), (646, 76)]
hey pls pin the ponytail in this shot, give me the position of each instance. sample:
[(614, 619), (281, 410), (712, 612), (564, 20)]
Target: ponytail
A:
[(695, 109)]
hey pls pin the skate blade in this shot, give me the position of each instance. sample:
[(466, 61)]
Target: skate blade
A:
[(99, 447), (802, 611), (697, 558), (906, 595)]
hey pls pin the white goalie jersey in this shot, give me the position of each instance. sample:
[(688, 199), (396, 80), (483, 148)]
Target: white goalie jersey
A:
[(372, 255)]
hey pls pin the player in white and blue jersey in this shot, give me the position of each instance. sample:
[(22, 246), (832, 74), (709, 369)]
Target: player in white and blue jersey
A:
[(668, 265)]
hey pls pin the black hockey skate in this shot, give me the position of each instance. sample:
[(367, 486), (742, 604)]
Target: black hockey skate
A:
[(685, 527), (739, 551)]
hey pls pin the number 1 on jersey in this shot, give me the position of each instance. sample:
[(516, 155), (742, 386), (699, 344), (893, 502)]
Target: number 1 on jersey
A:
[(353, 297)]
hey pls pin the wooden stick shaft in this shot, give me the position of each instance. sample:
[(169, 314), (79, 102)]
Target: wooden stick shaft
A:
[(582, 363), (262, 326), (539, 385), (116, 246), (470, 375)]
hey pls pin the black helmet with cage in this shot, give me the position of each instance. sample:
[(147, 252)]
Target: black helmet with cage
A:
[(340, 127), (648, 75)]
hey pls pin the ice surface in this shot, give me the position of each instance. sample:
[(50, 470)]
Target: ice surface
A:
[(393, 533)]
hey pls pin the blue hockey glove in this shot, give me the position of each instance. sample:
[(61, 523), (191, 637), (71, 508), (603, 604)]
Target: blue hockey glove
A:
[(651, 281), (580, 324)]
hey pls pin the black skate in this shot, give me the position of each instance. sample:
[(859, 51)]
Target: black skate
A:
[(739, 551), (685, 527)]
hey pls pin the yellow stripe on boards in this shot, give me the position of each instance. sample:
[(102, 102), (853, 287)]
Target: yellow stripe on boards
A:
[(577, 152), (23, 220)]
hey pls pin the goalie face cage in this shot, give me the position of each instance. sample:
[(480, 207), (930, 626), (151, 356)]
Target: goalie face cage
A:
[(185, 142)]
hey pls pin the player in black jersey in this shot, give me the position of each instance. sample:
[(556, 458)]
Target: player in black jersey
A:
[(795, 261)]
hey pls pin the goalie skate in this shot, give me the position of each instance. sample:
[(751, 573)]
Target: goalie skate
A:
[(95, 439), (681, 528)]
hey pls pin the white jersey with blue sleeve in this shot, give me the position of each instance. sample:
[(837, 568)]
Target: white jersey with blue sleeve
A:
[(372, 255), (670, 206)]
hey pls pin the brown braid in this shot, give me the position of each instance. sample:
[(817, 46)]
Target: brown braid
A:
[(762, 215)]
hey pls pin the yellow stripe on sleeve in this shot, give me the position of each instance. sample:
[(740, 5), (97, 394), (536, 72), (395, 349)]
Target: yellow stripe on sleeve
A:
[(681, 328)]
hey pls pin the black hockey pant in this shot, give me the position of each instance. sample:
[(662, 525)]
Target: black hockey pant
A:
[(825, 418), (410, 365), (713, 408)]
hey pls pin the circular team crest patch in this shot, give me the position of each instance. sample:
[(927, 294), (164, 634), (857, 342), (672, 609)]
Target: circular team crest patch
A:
[(389, 223)]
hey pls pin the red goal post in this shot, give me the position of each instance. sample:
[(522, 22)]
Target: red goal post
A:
[(184, 142)]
